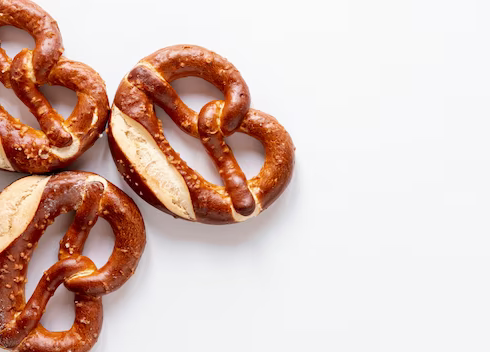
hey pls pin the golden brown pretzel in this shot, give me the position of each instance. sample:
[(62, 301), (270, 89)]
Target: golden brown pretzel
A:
[(60, 142), (27, 208), (158, 174)]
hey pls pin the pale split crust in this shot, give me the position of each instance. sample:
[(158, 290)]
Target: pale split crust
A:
[(18, 205), (149, 161)]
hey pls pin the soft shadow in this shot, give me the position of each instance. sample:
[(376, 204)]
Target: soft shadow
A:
[(16, 108), (7, 178), (13, 40), (249, 153), (196, 92), (177, 229), (100, 243), (98, 157), (115, 301), (62, 99)]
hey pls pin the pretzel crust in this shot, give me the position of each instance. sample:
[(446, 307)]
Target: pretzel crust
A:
[(59, 142), (91, 197), (157, 173)]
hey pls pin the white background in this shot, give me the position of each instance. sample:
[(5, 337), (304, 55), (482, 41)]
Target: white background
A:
[(382, 240)]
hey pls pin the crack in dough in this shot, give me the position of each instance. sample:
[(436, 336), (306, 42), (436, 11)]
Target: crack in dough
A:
[(18, 205), (151, 163)]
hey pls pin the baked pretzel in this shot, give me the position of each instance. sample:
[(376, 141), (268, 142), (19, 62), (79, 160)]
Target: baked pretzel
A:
[(158, 174), (27, 208), (60, 142)]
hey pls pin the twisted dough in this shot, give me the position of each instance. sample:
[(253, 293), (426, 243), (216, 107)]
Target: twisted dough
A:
[(158, 174), (27, 208), (60, 142)]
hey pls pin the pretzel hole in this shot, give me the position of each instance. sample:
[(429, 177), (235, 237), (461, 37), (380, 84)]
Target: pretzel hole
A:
[(46, 252), (62, 99), (100, 243), (195, 92), (13, 40), (249, 153), (60, 311), (16, 108)]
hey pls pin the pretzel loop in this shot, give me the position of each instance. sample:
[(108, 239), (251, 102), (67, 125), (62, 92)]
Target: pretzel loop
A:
[(215, 121), (91, 197), (80, 338), (22, 148), (163, 178), (28, 319), (44, 29)]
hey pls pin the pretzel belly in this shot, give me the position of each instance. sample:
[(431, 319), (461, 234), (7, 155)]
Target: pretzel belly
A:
[(151, 164), (22, 200)]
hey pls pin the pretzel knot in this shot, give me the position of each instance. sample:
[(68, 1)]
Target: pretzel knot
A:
[(158, 174), (23, 148), (27, 208)]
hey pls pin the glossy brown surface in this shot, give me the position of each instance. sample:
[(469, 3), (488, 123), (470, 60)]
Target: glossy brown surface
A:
[(90, 197), (27, 149), (149, 82)]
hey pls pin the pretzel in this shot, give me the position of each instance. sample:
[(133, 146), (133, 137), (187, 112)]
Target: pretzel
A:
[(60, 142), (157, 173), (27, 208)]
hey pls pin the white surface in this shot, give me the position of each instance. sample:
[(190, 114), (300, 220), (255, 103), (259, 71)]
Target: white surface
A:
[(381, 242)]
